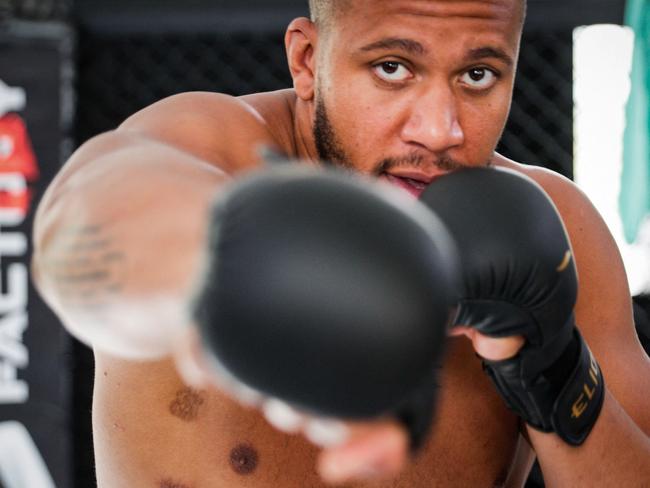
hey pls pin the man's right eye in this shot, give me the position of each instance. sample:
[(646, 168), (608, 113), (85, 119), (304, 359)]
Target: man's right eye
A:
[(392, 71)]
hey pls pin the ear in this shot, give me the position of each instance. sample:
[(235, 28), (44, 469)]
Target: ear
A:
[(300, 42)]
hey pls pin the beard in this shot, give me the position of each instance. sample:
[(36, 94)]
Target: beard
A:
[(329, 149), (331, 152)]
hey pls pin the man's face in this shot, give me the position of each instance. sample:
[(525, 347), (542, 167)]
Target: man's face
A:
[(410, 89)]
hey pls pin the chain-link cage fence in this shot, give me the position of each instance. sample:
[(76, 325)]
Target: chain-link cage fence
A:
[(35, 9), (540, 127), (118, 76)]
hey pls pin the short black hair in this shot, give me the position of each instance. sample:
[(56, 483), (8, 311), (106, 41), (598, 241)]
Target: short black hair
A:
[(322, 12)]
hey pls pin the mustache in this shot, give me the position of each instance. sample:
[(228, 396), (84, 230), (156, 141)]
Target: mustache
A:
[(416, 160)]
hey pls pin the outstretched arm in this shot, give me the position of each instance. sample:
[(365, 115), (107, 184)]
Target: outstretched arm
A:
[(118, 234)]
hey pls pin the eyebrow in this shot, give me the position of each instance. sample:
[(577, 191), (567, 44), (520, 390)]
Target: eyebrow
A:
[(413, 47), (408, 45), (489, 52)]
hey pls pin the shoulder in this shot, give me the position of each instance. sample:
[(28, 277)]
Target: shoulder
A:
[(582, 220), (214, 127), (277, 109)]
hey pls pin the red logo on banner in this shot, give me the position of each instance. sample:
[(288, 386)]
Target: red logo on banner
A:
[(16, 156)]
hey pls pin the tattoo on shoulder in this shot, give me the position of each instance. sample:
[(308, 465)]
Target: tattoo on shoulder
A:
[(87, 266), (187, 403)]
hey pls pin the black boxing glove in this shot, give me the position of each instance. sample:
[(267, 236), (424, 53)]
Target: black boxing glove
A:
[(329, 293), (520, 279)]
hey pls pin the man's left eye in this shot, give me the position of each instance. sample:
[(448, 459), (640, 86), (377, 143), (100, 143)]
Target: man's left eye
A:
[(479, 78)]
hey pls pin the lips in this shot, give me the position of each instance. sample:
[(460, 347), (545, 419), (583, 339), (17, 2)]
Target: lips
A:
[(413, 183)]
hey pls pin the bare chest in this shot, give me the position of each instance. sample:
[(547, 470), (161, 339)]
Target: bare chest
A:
[(152, 431)]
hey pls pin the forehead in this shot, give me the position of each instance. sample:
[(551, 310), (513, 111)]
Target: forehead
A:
[(485, 9), (430, 18)]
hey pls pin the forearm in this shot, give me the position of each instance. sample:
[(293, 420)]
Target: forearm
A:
[(117, 243), (616, 453)]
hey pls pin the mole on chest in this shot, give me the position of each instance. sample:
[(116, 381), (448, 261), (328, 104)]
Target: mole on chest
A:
[(186, 404), (244, 459)]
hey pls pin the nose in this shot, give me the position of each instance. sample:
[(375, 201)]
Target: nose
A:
[(432, 121)]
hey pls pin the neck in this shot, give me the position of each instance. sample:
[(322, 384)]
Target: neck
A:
[(303, 116)]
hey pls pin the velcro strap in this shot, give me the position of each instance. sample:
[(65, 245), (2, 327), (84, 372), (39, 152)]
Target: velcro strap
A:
[(579, 404), (568, 405)]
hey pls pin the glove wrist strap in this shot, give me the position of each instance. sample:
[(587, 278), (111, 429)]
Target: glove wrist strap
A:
[(572, 412), (579, 404)]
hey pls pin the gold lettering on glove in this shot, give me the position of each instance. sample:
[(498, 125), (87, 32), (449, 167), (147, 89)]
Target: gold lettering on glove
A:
[(565, 262), (581, 404)]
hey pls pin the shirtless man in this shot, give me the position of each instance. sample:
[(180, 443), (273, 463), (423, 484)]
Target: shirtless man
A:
[(372, 79)]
